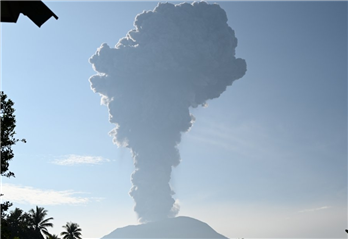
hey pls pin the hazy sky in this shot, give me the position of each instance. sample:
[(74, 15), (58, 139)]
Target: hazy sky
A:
[(266, 159)]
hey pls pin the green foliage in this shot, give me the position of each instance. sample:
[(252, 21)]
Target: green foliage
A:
[(72, 231)]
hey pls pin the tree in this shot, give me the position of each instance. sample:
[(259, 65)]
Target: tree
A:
[(72, 231), (5, 231), (39, 222), (27, 225), (8, 124), (52, 237), (18, 224)]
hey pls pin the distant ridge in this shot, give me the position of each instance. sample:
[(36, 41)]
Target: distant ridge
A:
[(177, 227)]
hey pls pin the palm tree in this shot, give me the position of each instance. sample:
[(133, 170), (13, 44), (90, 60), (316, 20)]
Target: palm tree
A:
[(18, 225), (72, 231), (39, 222), (52, 237), (16, 222)]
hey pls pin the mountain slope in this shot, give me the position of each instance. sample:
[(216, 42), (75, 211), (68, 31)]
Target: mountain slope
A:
[(178, 227)]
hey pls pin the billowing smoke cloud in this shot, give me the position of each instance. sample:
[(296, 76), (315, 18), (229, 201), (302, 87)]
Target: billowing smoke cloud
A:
[(177, 57)]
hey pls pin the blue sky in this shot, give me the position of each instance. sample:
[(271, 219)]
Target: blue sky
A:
[(266, 159)]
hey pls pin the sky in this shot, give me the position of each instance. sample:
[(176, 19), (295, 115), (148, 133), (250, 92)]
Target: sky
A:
[(267, 159)]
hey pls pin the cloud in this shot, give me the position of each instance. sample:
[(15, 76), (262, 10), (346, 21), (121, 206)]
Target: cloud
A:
[(73, 159), (34, 196), (314, 209)]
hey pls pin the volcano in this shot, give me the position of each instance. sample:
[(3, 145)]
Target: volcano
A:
[(177, 227)]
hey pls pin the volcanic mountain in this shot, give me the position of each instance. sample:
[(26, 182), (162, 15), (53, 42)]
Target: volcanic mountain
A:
[(177, 227)]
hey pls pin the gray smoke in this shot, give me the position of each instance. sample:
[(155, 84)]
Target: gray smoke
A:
[(177, 57)]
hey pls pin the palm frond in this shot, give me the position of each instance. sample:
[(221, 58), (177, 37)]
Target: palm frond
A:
[(38, 219), (72, 231)]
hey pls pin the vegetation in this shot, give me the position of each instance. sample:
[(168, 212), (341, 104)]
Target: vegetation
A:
[(38, 221), (33, 224), (8, 125), (17, 224), (52, 237), (72, 231)]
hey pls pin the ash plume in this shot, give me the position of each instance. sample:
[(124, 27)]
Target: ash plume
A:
[(177, 57)]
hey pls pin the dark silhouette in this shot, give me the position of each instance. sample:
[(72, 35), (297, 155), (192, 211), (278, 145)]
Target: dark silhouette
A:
[(72, 231), (33, 225), (16, 221), (8, 125), (39, 221), (26, 225), (19, 225), (52, 237), (37, 11), (5, 231)]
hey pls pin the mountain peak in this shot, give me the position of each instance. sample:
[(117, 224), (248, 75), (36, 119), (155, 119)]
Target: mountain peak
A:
[(177, 227)]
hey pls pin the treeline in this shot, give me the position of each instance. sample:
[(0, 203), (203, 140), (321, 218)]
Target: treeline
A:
[(16, 224), (33, 224)]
